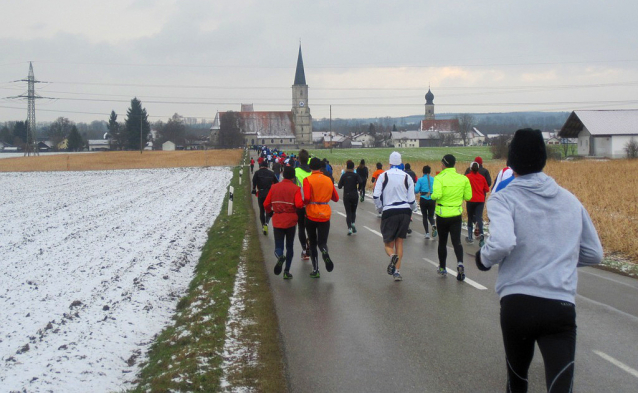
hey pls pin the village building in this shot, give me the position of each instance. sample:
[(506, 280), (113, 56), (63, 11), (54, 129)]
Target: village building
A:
[(286, 129), (416, 139), (602, 133), (168, 146), (366, 140)]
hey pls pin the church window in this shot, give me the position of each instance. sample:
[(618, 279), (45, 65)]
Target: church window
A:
[(272, 141)]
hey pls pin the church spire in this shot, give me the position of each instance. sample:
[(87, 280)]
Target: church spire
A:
[(300, 75)]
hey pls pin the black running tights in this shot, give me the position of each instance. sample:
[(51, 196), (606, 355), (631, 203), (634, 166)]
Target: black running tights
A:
[(301, 223), (551, 324), (262, 210), (427, 209), (318, 236), (350, 204), (451, 226), (474, 216)]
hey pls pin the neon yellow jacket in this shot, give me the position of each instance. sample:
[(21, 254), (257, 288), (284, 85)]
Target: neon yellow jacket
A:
[(449, 190)]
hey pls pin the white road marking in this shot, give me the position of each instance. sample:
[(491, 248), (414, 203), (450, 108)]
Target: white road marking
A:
[(608, 307), (341, 214), (373, 231), (452, 272), (617, 363), (595, 274)]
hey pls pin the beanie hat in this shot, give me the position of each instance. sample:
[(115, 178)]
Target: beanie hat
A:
[(527, 153), (263, 164), (478, 160), (395, 158), (315, 164), (289, 172), (449, 160)]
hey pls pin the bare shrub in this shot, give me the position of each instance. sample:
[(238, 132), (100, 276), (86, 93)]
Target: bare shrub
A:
[(499, 147), (631, 148)]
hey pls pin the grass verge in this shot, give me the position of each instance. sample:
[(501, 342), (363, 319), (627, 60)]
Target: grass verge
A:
[(188, 355)]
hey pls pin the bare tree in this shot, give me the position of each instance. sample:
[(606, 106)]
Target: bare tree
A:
[(466, 122), (631, 148)]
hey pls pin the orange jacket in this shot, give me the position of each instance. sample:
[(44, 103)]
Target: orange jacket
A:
[(318, 190), (376, 174)]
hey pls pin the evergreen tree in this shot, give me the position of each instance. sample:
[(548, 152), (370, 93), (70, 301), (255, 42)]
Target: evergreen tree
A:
[(229, 131), (74, 140), (20, 133), (136, 116), (116, 131)]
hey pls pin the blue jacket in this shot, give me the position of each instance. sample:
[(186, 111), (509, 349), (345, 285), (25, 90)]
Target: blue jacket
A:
[(423, 187)]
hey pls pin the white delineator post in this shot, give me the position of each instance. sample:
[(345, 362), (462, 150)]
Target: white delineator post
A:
[(241, 174), (231, 190)]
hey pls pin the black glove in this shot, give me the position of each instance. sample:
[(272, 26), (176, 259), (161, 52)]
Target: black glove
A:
[(479, 264), (253, 192)]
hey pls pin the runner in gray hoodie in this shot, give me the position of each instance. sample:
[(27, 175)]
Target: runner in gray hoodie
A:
[(539, 234)]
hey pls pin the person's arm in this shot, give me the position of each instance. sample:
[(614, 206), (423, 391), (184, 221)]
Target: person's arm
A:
[(411, 195), (486, 186), (306, 191), (488, 178), (255, 182), (274, 179), (467, 190), (376, 196), (437, 190), (298, 199), (335, 195), (502, 238), (268, 202), (341, 181), (591, 251)]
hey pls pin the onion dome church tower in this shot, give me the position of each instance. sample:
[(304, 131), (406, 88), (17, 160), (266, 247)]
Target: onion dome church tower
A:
[(429, 105), (300, 110)]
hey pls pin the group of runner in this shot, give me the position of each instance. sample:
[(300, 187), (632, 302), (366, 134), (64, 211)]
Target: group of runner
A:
[(537, 276)]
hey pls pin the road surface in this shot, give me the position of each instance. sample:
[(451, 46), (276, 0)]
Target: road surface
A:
[(356, 330)]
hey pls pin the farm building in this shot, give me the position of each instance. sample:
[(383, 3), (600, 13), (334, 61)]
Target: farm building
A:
[(168, 146), (99, 144), (416, 138), (603, 133)]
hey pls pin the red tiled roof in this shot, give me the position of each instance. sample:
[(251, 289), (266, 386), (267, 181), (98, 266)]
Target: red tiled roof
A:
[(440, 125)]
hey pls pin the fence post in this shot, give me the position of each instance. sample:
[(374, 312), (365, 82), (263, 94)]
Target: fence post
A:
[(231, 190)]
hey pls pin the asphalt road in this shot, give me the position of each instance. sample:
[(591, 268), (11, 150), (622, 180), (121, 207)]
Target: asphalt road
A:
[(357, 330)]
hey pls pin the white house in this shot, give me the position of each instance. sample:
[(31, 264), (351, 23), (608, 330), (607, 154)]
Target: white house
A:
[(168, 146), (603, 133), (475, 137), (99, 144), (416, 138), (366, 140)]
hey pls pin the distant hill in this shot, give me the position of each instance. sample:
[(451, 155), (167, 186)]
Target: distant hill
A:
[(489, 123)]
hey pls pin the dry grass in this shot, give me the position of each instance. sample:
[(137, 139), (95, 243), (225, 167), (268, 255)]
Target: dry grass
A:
[(121, 160), (607, 189)]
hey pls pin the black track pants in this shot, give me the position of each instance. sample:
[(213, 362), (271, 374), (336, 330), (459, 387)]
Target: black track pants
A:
[(551, 324), (451, 226), (318, 236), (350, 204)]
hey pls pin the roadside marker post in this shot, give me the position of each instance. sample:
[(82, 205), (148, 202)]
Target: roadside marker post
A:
[(241, 174), (231, 190)]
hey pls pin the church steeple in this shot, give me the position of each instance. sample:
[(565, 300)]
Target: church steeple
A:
[(300, 75)]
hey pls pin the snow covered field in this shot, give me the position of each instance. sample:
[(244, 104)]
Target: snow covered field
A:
[(93, 264)]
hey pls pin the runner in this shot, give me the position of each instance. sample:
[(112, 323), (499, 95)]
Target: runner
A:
[(351, 183), (424, 186), (408, 169), (276, 167), (362, 171), (540, 234), (263, 179), (301, 172), (283, 200), (449, 191), (482, 171), (476, 204), (318, 190), (252, 164), (394, 198), (375, 176), (503, 174)]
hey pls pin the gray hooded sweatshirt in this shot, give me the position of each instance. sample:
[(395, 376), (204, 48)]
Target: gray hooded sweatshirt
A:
[(539, 234)]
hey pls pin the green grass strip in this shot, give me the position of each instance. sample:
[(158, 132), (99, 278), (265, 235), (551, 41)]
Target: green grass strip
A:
[(187, 356)]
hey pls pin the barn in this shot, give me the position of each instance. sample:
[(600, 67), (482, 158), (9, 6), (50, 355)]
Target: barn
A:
[(602, 133)]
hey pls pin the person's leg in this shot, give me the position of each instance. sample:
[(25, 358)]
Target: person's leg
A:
[(398, 246), (290, 244), (424, 207), (348, 207), (471, 208), (262, 210), (323, 230), (279, 235), (355, 203), (478, 216), (431, 205), (311, 227), (518, 326), (442, 226), (455, 236), (557, 342), (301, 222), (389, 248)]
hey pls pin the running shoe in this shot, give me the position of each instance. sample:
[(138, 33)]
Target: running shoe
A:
[(327, 260), (354, 229), (442, 271), (304, 255), (409, 232), (482, 241), (315, 274), (469, 240), (287, 276), (265, 229), (427, 236), (392, 267), (349, 231), (461, 272), (280, 262), (434, 231), (397, 276)]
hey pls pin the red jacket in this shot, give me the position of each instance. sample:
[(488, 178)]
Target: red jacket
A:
[(318, 190), (479, 187), (284, 199)]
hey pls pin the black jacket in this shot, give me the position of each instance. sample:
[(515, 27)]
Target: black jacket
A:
[(262, 180), (351, 183)]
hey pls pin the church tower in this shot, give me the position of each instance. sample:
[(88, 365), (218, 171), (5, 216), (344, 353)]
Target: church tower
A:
[(300, 110), (429, 105)]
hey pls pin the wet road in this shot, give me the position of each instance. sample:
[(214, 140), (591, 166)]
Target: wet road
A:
[(356, 330)]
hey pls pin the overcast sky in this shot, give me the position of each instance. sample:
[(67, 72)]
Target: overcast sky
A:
[(365, 58)]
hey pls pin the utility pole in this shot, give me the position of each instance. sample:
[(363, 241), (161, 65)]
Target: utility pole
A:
[(330, 129), (32, 140), (141, 118)]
